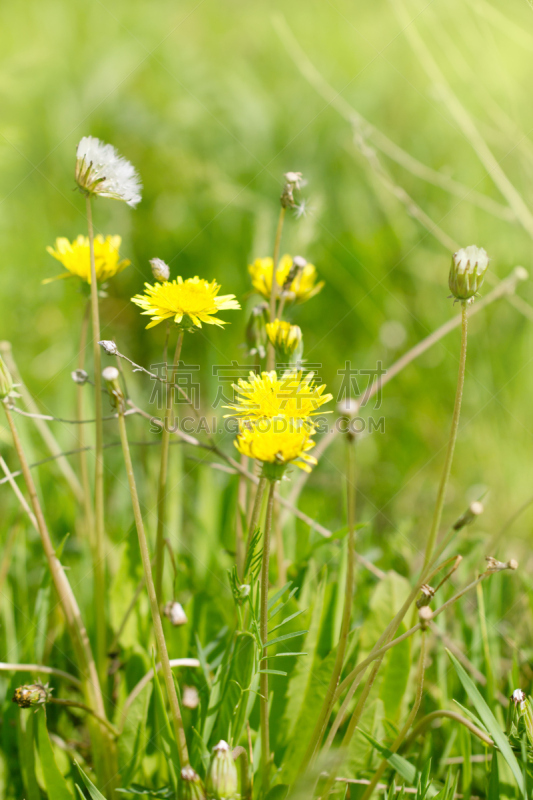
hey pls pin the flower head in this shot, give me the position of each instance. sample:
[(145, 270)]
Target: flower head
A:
[(266, 396), (189, 302), (34, 694), (75, 257), (222, 780), (277, 442), (285, 337), (467, 272), (175, 613), (101, 170), (297, 278), (191, 786)]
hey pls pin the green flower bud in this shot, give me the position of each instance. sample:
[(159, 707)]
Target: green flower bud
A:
[(286, 338), (6, 381), (34, 694), (222, 778), (467, 272), (191, 786)]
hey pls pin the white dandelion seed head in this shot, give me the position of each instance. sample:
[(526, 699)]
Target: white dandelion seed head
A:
[(101, 170), (518, 697), (160, 270)]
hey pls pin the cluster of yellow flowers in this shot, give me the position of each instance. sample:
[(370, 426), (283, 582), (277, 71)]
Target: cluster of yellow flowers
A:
[(275, 412)]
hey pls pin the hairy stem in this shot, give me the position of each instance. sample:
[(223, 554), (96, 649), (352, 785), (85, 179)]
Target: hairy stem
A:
[(256, 513), (84, 468), (163, 475), (154, 606), (99, 548), (441, 495), (270, 363), (263, 628)]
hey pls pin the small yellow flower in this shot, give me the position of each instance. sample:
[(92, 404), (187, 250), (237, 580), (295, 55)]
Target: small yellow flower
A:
[(194, 298), (277, 441), (75, 257), (285, 337), (292, 395), (303, 287)]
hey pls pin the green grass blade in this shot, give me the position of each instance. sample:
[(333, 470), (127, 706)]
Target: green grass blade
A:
[(56, 786)]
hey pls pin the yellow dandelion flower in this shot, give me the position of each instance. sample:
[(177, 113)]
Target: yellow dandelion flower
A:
[(292, 395), (285, 337), (301, 288), (279, 441), (75, 257), (195, 299)]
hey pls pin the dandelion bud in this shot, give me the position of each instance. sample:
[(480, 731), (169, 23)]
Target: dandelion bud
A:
[(6, 381), (175, 613), (467, 272), (518, 697), (427, 595), (191, 786), (190, 697), (110, 374), (473, 511), (34, 694), (222, 780), (160, 270), (79, 376), (425, 615), (109, 346), (286, 338)]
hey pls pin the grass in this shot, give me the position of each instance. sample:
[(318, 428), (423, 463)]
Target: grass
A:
[(410, 124)]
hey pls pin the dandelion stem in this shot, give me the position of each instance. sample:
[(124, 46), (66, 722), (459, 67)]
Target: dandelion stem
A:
[(274, 288), (154, 606), (441, 495), (256, 512), (409, 721), (58, 701), (329, 699), (99, 549), (84, 469), (263, 628), (163, 475)]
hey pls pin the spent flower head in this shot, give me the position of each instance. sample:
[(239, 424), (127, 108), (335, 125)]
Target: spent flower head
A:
[(298, 281), (222, 779), (101, 170), (286, 338), (191, 786), (265, 396), (467, 272), (277, 443), (189, 302), (175, 613), (75, 257), (32, 695), (160, 270)]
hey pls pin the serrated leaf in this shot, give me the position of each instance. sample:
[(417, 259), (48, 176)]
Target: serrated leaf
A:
[(56, 786), (489, 720), (233, 700), (287, 619)]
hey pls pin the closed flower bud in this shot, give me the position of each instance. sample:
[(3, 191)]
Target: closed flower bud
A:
[(32, 695), (6, 381), (191, 786), (425, 615), (426, 596), (175, 613), (222, 779), (109, 346), (467, 272), (79, 376), (160, 270), (473, 511)]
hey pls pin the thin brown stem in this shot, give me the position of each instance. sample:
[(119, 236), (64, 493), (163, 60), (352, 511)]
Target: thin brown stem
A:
[(263, 629), (163, 475)]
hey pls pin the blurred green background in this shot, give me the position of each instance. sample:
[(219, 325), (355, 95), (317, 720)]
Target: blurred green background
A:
[(212, 103)]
